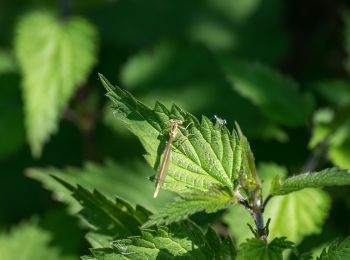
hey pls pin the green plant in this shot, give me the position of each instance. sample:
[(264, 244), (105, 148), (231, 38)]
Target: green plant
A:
[(211, 168)]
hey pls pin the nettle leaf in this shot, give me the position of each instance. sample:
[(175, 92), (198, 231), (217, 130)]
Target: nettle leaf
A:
[(304, 218), (275, 94), (305, 210), (55, 57), (336, 250), (27, 241), (115, 179), (258, 249), (179, 240), (186, 205), (327, 177), (205, 158), (108, 220)]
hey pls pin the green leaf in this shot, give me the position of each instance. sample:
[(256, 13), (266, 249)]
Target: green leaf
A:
[(55, 57), (336, 250), (258, 249), (275, 94), (204, 158), (122, 180), (340, 154), (184, 240), (186, 205), (108, 220), (248, 178), (305, 211), (327, 177), (27, 241)]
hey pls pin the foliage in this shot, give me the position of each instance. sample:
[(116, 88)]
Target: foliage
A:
[(283, 75), (257, 249), (206, 161), (110, 221), (336, 250), (33, 242), (327, 177), (303, 218), (49, 84), (114, 179)]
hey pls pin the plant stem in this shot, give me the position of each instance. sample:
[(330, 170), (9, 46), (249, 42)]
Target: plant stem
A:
[(256, 211)]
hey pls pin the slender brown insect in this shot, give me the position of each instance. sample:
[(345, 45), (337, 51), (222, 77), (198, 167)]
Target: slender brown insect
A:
[(174, 124)]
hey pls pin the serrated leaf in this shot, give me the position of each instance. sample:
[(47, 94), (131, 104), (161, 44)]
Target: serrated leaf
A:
[(186, 205), (336, 250), (305, 210), (55, 57), (27, 241), (258, 249), (204, 158), (275, 94), (184, 240), (108, 220), (115, 179), (327, 177)]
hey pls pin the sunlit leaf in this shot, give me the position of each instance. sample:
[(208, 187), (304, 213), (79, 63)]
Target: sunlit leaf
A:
[(55, 57), (205, 158), (327, 177), (305, 211)]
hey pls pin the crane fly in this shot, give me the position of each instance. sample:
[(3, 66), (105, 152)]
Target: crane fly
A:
[(174, 124)]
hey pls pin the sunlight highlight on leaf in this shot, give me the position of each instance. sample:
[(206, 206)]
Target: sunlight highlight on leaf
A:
[(55, 57)]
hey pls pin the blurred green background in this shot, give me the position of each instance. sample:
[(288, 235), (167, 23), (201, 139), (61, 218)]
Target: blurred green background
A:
[(279, 68)]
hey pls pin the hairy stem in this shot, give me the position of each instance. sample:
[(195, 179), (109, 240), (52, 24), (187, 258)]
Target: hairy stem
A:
[(256, 211)]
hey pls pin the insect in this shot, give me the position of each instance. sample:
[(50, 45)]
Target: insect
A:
[(220, 121), (174, 124)]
